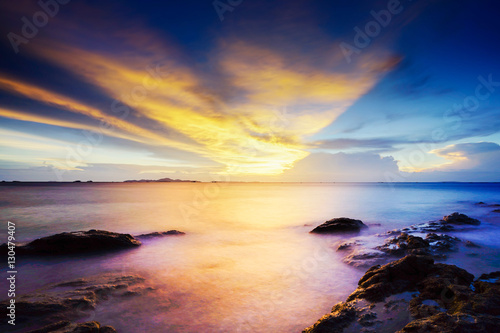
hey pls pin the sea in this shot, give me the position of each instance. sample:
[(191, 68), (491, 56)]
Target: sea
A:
[(247, 262)]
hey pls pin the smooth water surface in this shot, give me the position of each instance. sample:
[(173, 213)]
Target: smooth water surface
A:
[(247, 262)]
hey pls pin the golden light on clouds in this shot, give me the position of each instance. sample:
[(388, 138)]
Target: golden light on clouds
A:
[(253, 117)]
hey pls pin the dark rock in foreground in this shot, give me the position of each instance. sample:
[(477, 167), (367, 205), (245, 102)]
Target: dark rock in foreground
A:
[(341, 224), (76, 242), (56, 307), (161, 234), (413, 294)]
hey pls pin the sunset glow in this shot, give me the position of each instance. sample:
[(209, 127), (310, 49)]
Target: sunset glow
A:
[(244, 103)]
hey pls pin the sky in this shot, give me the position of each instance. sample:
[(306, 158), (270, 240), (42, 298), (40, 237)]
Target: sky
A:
[(250, 90)]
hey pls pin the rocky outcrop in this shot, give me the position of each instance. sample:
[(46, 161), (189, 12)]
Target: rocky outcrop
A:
[(341, 224), (161, 234), (414, 294), (419, 239), (434, 245), (76, 242), (460, 219), (394, 278), (80, 242), (447, 223), (69, 327), (59, 305)]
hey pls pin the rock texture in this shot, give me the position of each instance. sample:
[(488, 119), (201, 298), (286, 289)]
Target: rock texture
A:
[(459, 219), (54, 308), (76, 242), (414, 294), (82, 242), (420, 239), (341, 224), (68, 327)]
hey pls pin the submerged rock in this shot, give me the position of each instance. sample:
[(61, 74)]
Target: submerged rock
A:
[(366, 258), (471, 244), (341, 224), (413, 294), (77, 242), (403, 244), (66, 302), (161, 234)]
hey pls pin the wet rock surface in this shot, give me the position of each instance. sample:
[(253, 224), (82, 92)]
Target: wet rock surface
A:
[(341, 224), (420, 239), (414, 294), (55, 307)]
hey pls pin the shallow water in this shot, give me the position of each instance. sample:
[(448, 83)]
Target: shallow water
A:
[(247, 262)]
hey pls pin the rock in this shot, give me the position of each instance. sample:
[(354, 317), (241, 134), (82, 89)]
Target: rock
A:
[(460, 219), (77, 242), (90, 327), (402, 244), (348, 245), (58, 304), (496, 211), (442, 300), (342, 315), (433, 245), (470, 244), (396, 277), (53, 327), (493, 277), (452, 323), (442, 243), (161, 234), (365, 258), (68, 327), (341, 224)]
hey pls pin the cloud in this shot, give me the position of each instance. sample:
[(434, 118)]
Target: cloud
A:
[(252, 112), (380, 144), (341, 167), (480, 156)]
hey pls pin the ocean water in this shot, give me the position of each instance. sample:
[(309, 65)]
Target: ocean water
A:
[(247, 262)]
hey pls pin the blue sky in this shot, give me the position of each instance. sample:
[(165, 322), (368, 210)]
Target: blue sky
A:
[(250, 90)]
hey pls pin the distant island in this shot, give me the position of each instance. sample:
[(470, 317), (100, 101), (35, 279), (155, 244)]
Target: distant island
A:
[(162, 180)]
